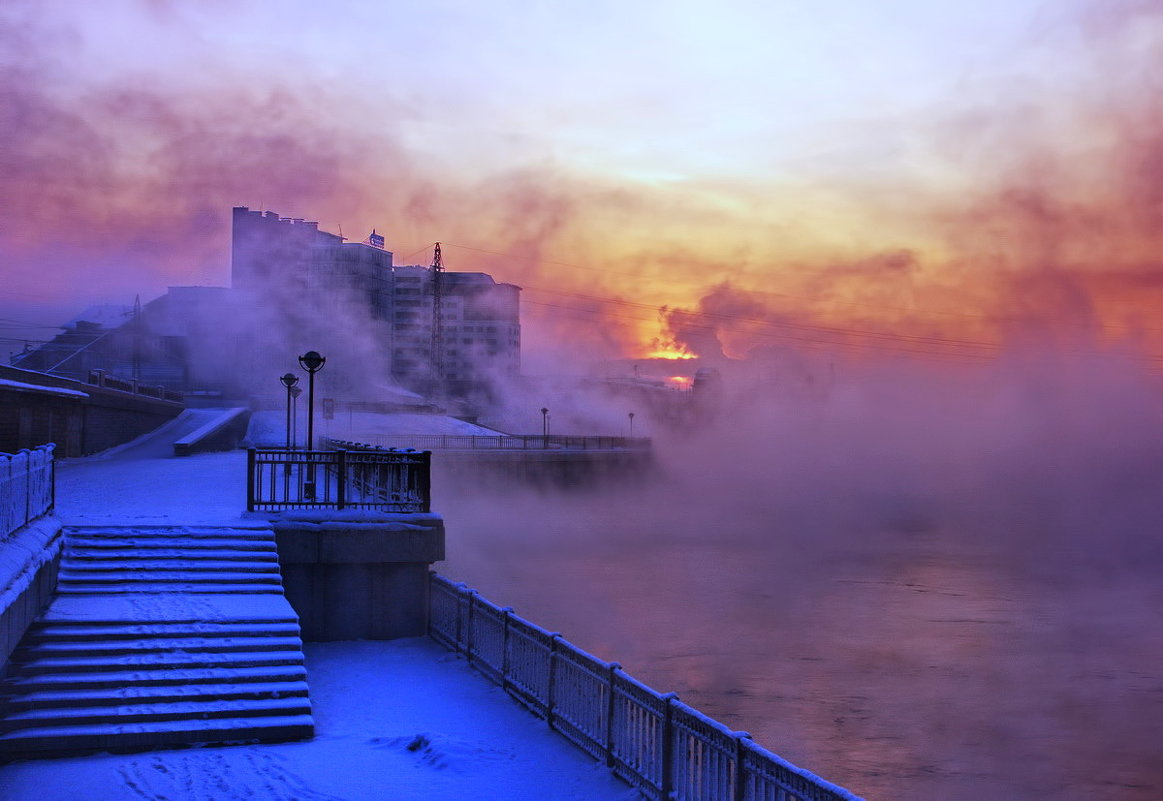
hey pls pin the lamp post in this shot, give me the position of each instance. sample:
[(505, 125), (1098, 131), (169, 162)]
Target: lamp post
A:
[(631, 416), (312, 362), (289, 380), (544, 427), (295, 393)]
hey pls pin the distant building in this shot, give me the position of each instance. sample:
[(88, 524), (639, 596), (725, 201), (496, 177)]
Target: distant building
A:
[(291, 261), (296, 288), (481, 329)]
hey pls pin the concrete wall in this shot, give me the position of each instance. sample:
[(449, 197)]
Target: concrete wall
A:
[(30, 559), (91, 420), (561, 468), (361, 578)]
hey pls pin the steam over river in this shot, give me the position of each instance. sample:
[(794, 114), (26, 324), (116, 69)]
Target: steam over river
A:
[(919, 659)]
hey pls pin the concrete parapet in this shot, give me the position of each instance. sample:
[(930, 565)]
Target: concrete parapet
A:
[(30, 559), (363, 576)]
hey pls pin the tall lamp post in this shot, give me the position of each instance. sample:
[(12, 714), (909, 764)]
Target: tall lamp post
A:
[(631, 416), (295, 393), (289, 380), (544, 427), (312, 362)]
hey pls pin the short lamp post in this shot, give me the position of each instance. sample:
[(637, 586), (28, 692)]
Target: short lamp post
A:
[(312, 362), (544, 427), (631, 416), (289, 380)]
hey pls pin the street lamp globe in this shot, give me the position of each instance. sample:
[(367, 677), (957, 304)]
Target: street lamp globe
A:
[(312, 361)]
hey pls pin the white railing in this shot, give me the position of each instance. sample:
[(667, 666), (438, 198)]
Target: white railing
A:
[(27, 487), (661, 746)]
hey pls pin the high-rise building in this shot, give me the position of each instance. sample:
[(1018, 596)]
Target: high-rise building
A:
[(312, 273)]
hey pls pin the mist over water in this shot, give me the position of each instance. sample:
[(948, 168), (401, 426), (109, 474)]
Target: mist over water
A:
[(919, 581)]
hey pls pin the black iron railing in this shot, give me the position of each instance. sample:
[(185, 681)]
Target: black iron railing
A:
[(387, 481)]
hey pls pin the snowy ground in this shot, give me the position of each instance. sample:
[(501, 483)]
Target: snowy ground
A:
[(395, 720), (398, 720)]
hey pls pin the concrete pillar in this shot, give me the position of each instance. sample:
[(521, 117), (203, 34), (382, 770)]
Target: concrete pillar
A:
[(363, 578)]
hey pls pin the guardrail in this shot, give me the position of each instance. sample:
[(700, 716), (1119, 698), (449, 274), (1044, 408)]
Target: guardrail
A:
[(500, 442), (387, 481), (100, 378), (664, 748), (27, 487)]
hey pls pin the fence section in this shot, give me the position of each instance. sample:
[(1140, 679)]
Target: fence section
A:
[(500, 442), (386, 481), (100, 378), (27, 487), (658, 744)]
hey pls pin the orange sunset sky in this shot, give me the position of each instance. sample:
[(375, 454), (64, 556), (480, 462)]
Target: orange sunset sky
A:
[(661, 177)]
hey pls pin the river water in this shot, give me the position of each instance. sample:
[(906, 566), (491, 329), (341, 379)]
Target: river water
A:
[(905, 653)]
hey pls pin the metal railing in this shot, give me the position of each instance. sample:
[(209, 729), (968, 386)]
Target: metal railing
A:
[(386, 481), (661, 746), (100, 378), (500, 442), (27, 487)]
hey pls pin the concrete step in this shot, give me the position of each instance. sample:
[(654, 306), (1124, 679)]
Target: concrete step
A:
[(78, 588), (73, 577), (45, 699), (155, 645), (167, 607), (73, 740), (52, 632), (170, 532), (218, 561), (155, 661), (101, 679), (82, 546), (124, 713)]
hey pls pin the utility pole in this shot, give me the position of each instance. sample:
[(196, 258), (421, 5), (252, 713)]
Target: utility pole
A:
[(437, 318), (137, 343)]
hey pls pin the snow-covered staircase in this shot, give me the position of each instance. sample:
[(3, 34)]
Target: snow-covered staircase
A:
[(158, 636)]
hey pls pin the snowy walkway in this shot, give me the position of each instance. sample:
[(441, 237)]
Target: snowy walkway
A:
[(397, 720), (394, 720)]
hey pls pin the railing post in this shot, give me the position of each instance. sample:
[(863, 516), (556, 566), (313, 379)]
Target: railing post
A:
[(507, 614), (614, 668), (27, 486), (461, 588), (341, 488), (468, 638), (668, 744), (740, 772), (551, 690), (250, 464), (426, 481)]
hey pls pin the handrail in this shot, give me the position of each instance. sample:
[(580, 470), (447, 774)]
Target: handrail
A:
[(384, 481), (498, 442), (661, 746), (27, 487)]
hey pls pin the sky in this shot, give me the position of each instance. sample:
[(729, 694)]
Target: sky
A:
[(661, 177)]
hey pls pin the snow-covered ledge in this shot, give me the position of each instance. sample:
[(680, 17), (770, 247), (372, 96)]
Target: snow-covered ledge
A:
[(30, 558), (357, 575)]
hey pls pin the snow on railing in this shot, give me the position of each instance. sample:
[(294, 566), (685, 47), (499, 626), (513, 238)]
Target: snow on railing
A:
[(27, 487), (661, 746), (387, 481)]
